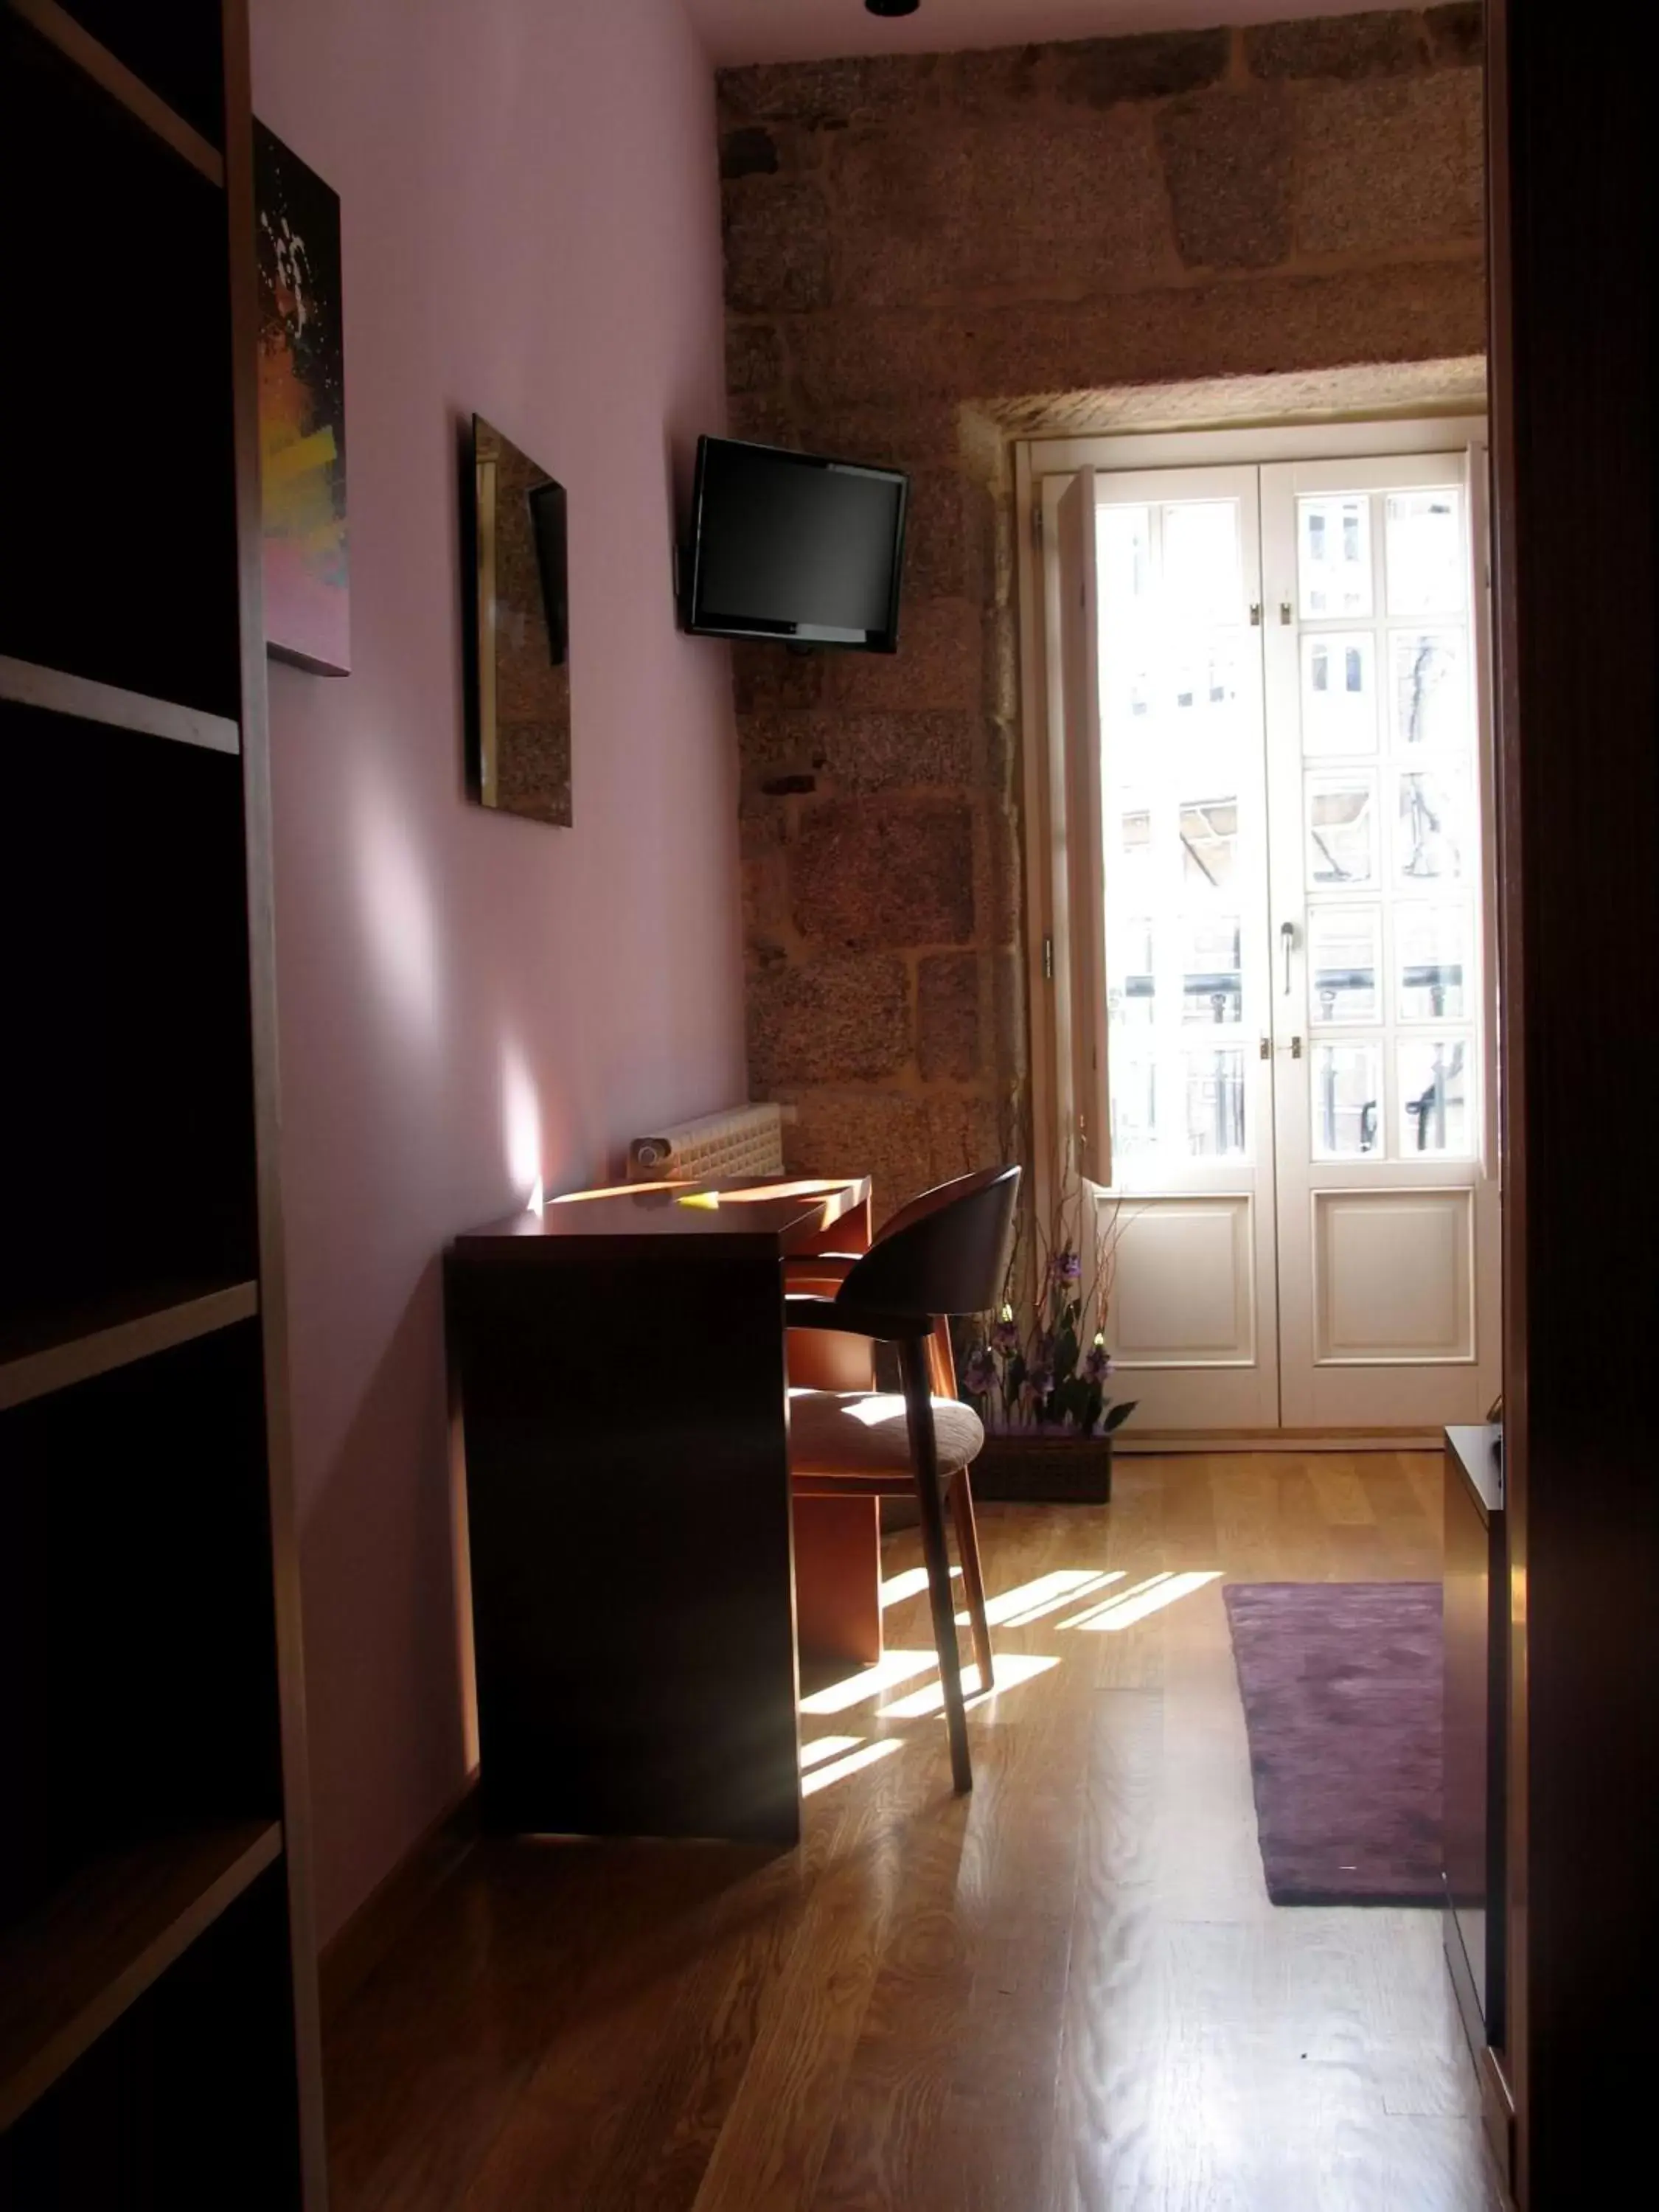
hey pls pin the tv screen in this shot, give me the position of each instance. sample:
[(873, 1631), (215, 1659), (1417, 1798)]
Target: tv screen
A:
[(792, 546)]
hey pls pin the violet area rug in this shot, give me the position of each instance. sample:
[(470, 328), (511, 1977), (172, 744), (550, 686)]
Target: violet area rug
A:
[(1342, 1685)]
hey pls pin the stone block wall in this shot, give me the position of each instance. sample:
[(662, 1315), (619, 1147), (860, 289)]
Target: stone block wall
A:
[(925, 255)]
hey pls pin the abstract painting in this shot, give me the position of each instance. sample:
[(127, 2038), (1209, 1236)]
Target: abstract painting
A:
[(519, 661), (302, 458)]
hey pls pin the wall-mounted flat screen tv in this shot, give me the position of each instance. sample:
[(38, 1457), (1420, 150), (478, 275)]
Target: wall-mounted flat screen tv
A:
[(794, 547)]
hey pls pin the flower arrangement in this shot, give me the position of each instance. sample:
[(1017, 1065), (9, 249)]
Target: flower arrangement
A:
[(1049, 1373)]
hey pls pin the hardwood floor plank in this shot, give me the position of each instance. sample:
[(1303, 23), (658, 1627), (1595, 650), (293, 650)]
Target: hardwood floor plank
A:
[(680, 2041), (1344, 1498), (955, 2075), (1066, 1993), (768, 2154)]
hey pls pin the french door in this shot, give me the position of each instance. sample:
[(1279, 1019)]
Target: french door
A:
[(1266, 683)]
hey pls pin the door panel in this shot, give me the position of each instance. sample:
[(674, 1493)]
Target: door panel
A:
[(1181, 806), (1388, 1225), (1393, 1276), (1185, 1288)]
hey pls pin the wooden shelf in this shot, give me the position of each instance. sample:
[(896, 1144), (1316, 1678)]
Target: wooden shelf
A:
[(72, 1346), (50, 688), (60, 29), (74, 1968), (158, 2012)]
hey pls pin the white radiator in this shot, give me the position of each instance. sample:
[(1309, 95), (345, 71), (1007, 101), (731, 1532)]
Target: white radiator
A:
[(744, 1141)]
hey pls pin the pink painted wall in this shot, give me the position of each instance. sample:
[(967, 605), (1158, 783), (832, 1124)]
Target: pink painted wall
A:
[(530, 229)]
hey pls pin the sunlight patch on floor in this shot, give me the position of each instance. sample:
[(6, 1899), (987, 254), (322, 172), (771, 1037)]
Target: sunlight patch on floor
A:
[(1118, 1597), (893, 1668), (827, 1746), (855, 1762), (1018, 1609), (1124, 1607), (911, 1583), (1009, 1670)]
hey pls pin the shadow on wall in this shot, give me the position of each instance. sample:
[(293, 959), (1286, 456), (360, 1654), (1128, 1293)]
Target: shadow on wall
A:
[(378, 1569)]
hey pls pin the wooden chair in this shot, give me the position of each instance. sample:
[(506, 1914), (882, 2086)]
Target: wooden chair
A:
[(942, 1254)]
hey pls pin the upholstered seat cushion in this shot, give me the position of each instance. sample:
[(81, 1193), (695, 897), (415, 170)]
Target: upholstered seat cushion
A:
[(852, 1432)]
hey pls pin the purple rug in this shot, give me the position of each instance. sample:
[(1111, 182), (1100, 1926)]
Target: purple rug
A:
[(1341, 1684)]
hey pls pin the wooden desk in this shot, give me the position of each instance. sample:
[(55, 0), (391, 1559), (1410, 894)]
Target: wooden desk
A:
[(620, 1366)]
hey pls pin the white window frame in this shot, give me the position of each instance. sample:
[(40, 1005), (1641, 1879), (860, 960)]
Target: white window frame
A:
[(1041, 751)]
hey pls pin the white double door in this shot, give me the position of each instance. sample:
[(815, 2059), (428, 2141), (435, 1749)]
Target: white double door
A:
[(1273, 694)]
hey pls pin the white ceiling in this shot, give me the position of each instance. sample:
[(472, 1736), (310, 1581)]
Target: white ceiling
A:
[(806, 30)]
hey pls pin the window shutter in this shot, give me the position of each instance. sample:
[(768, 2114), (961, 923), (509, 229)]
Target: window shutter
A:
[(1084, 971)]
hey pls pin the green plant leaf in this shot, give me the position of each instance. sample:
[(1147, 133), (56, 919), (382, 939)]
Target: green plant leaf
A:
[(1116, 1415)]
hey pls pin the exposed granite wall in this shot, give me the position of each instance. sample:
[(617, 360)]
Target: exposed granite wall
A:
[(923, 255)]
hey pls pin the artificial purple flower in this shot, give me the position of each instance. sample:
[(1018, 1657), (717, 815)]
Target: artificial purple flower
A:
[(1039, 1379), (1004, 1337), (980, 1376), (1098, 1366), (1065, 1267)]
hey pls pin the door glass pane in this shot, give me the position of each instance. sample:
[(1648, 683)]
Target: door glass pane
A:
[(1203, 677), (1130, 880), (1131, 987), (1341, 829), (1212, 974), (1433, 947), (1333, 554), (1434, 1095), (1181, 693), (1135, 849), (1348, 1101), (1343, 962), (1426, 560), (1209, 842), (1123, 539), (1134, 1105), (1129, 683), (1215, 1104), (1432, 828), (1429, 694), (1339, 692), (1201, 577)]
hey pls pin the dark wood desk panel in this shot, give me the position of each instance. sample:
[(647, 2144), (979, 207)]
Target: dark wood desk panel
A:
[(620, 1371)]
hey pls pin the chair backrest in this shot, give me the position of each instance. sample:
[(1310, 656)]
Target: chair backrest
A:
[(944, 1253)]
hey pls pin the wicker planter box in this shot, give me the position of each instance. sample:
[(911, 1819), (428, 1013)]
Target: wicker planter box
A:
[(1025, 1466)]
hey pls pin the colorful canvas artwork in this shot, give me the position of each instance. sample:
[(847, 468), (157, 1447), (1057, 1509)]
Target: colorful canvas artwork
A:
[(303, 455)]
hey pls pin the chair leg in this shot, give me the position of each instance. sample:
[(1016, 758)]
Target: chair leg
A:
[(925, 1457), (961, 1520)]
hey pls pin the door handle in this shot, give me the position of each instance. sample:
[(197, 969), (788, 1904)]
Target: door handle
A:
[(1287, 946)]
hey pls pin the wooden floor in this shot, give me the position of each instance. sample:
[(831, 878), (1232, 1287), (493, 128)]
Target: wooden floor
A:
[(1066, 1994)]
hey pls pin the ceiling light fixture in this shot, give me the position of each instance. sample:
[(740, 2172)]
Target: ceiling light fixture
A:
[(892, 7)]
